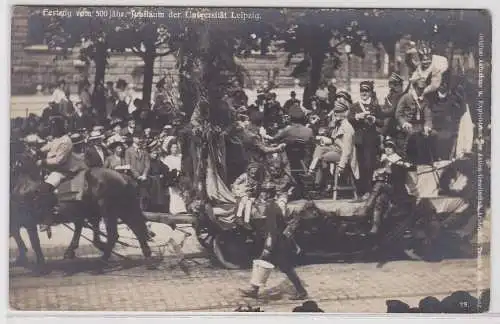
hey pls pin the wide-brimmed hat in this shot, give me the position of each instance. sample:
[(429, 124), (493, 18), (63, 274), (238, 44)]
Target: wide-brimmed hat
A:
[(118, 142), (77, 138), (96, 135), (121, 84)]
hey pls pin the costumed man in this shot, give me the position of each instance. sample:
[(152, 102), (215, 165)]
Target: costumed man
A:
[(278, 249), (388, 184), (433, 68), (388, 109), (365, 116), (257, 153), (299, 140), (61, 163), (414, 118), (447, 111), (338, 147)]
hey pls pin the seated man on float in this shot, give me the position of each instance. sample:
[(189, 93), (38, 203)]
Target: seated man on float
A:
[(388, 184), (338, 147)]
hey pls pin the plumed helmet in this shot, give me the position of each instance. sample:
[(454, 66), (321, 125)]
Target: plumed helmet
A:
[(425, 52)]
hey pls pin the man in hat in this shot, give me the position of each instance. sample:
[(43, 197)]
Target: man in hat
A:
[(364, 116), (257, 153), (290, 102), (278, 249), (447, 111), (60, 162), (299, 140), (414, 118), (387, 183), (138, 158), (130, 129), (121, 105), (338, 147), (388, 109), (96, 153), (81, 118)]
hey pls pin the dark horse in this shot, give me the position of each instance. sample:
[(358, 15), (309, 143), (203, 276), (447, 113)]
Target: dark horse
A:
[(107, 195)]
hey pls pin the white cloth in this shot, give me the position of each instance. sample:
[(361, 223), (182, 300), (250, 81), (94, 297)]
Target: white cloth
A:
[(58, 95), (465, 135), (55, 178), (177, 204), (439, 65)]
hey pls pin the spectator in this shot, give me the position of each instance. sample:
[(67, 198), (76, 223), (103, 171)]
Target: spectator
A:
[(172, 158), (308, 307), (84, 93), (117, 157), (81, 118), (290, 102), (138, 159), (111, 98), (130, 129), (59, 94), (96, 153), (121, 106), (158, 173), (430, 304)]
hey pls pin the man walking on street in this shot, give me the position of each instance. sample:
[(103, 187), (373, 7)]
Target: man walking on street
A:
[(278, 248)]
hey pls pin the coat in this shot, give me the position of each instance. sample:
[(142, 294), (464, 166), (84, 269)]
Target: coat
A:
[(93, 158), (410, 110), (139, 161), (343, 138), (365, 133), (60, 156)]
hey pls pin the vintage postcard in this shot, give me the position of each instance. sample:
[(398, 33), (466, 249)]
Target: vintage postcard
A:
[(250, 159)]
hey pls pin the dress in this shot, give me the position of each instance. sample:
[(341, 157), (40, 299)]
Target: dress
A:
[(177, 205)]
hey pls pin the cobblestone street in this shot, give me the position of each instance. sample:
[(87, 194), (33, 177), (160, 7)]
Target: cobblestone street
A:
[(196, 285)]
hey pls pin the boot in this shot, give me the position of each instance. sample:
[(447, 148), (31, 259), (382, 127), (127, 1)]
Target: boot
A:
[(301, 292)]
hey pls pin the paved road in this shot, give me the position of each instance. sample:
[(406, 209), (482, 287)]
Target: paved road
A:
[(196, 285)]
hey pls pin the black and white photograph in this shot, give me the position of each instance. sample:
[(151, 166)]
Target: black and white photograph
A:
[(215, 159)]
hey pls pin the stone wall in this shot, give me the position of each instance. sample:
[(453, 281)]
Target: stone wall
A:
[(36, 65)]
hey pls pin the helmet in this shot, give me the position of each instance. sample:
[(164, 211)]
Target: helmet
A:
[(425, 52)]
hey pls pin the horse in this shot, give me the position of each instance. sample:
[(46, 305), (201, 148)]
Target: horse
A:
[(107, 195)]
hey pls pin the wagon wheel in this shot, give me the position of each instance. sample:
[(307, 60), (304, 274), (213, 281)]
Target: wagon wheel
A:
[(204, 236), (231, 251)]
